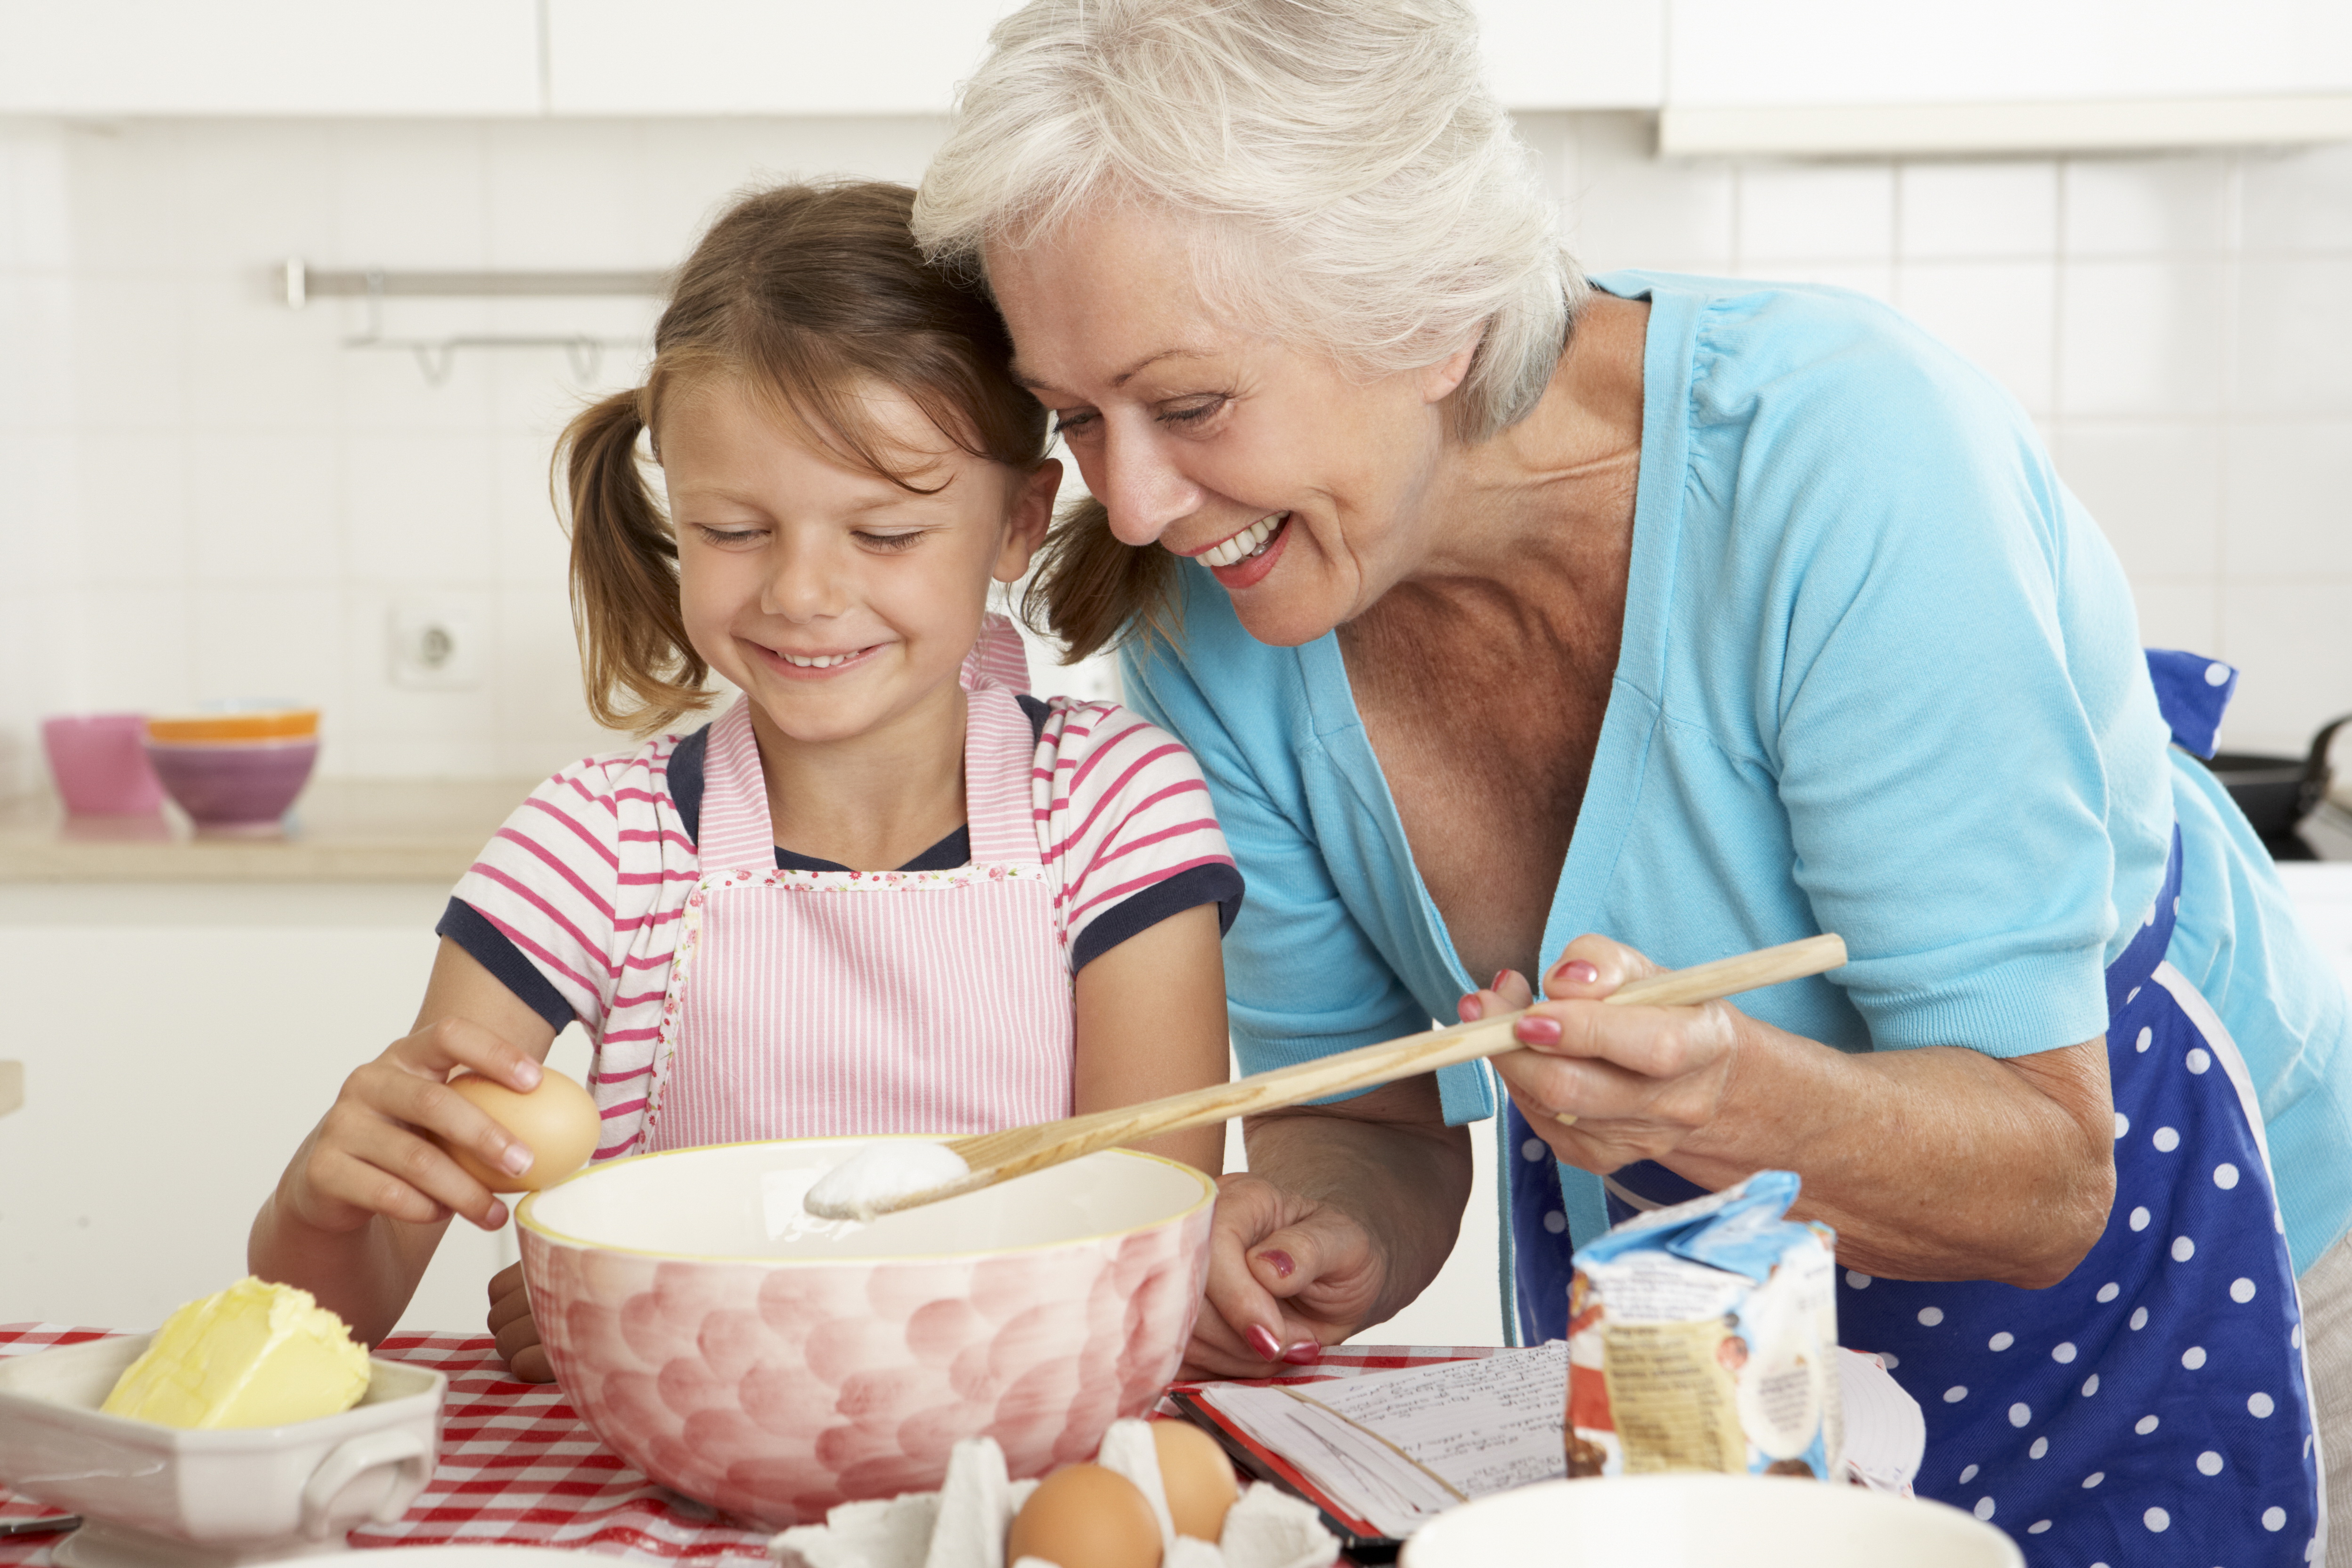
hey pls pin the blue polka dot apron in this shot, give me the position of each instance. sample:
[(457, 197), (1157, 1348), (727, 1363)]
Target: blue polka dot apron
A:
[(2152, 1407)]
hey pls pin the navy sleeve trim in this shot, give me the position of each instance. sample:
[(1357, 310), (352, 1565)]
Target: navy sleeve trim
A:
[(467, 926), (686, 782), (1037, 710), (1218, 885)]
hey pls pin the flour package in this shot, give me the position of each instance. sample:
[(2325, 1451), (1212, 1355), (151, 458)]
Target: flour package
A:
[(1703, 1337)]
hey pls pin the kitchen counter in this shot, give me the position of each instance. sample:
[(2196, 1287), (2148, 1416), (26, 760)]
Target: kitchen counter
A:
[(342, 830)]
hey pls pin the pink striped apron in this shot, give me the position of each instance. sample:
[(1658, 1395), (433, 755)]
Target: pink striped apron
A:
[(809, 1004)]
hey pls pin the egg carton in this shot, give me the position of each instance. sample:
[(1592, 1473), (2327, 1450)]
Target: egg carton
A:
[(962, 1524)]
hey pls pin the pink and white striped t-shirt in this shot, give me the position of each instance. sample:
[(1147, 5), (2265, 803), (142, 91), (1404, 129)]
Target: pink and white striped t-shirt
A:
[(575, 904)]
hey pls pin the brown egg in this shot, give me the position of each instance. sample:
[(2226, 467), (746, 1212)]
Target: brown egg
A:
[(1197, 1477), (1084, 1516), (557, 1119)]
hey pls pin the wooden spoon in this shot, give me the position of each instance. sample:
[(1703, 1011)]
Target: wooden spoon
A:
[(995, 1157)]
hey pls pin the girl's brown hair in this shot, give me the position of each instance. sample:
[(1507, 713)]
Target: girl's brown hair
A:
[(800, 294), (1090, 589)]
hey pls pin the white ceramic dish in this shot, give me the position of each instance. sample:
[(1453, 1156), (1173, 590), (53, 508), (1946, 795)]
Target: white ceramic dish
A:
[(162, 1497), (1707, 1521)]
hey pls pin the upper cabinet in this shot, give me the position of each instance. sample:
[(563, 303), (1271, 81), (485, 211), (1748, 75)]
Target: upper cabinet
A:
[(1726, 76), (108, 58), (1895, 76)]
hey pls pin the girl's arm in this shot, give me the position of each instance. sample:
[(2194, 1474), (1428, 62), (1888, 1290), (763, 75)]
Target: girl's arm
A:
[(361, 1205), (1151, 1021)]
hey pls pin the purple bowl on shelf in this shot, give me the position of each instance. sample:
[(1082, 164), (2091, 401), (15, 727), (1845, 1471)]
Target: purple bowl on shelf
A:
[(235, 785)]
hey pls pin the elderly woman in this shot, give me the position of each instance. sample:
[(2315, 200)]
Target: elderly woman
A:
[(1502, 607)]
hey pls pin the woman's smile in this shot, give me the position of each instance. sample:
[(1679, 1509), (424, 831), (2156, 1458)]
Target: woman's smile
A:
[(1240, 546)]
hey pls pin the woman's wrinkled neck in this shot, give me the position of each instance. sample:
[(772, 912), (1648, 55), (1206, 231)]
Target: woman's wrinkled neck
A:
[(1550, 493)]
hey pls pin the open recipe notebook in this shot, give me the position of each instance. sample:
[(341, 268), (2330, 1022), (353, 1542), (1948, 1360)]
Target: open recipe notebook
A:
[(1383, 1453)]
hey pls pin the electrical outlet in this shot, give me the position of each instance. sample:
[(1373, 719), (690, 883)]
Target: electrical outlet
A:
[(435, 646)]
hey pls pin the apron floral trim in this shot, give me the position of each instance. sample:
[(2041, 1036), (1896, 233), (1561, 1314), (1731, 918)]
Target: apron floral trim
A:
[(690, 939)]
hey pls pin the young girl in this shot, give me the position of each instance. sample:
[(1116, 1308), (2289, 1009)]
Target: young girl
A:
[(884, 890)]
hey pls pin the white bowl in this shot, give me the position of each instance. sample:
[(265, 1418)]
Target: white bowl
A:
[(166, 1497), (1707, 1521), (774, 1366)]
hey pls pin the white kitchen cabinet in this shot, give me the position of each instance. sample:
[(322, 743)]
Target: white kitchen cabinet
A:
[(110, 57), (1868, 76), (178, 1042), (1574, 54)]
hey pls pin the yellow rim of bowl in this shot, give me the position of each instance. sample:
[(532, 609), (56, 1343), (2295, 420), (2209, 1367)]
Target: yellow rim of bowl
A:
[(197, 729), (526, 1220)]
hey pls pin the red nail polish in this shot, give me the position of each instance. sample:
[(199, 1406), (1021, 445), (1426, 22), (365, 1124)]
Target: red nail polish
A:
[(1470, 1009), (1280, 1261), (1576, 972), (1496, 984), (1262, 1341), (1537, 1030), (1304, 1353)]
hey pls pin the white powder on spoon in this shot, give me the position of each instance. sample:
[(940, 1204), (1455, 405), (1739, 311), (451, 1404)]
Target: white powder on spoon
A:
[(881, 1173)]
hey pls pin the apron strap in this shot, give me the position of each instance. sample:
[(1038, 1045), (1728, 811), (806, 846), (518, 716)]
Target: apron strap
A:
[(737, 833), (998, 656), (999, 761)]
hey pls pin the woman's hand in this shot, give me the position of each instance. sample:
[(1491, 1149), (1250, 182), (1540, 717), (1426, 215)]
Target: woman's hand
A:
[(515, 1329), (1287, 1277), (373, 1151), (1608, 1085)]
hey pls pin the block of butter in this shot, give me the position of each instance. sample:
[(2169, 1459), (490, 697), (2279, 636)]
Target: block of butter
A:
[(254, 1354)]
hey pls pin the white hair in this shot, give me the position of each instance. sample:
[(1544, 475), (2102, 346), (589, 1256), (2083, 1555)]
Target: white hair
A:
[(1352, 177)]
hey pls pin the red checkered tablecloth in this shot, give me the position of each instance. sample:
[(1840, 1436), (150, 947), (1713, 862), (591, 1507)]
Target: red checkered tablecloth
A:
[(518, 1468)]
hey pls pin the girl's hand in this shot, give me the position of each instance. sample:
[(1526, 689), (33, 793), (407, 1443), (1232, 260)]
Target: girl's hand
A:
[(515, 1329), (1608, 1085), (369, 1154), (1287, 1277)]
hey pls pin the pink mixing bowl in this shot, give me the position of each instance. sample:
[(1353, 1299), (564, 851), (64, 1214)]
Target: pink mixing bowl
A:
[(238, 784), (774, 1366), (99, 762)]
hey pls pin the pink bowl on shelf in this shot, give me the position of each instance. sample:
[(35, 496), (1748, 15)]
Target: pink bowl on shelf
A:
[(99, 762), (774, 1366), (243, 784)]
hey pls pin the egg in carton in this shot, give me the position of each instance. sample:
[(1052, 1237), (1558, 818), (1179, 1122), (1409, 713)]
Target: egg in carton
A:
[(964, 1524)]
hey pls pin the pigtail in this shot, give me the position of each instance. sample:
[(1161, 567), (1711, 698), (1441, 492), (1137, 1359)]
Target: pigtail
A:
[(1091, 589), (640, 671)]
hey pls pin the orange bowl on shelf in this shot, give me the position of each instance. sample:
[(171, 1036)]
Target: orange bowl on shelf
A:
[(233, 725)]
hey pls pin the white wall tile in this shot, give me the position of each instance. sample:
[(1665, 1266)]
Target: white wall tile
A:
[(265, 508), (2142, 337), (392, 731), (125, 195), (2155, 489), (129, 351), (133, 505), (2292, 641), (2298, 200), (532, 548), (39, 390), (1815, 212), (40, 547), (1950, 211), (417, 509), (251, 362), (389, 388), (544, 720), (2295, 326), (558, 196), (411, 194), (2289, 508), (134, 649), (2000, 314), (1630, 209), (2146, 207), (250, 643), (35, 201), (250, 196), (2175, 612)]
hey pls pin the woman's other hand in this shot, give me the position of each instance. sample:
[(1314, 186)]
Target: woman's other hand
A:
[(516, 1330), (1287, 1277), (1608, 1085)]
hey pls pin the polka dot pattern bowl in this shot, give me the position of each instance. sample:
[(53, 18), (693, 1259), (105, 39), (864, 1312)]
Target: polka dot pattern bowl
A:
[(774, 1366)]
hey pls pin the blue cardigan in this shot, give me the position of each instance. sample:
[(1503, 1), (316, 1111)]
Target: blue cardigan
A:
[(1880, 676)]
